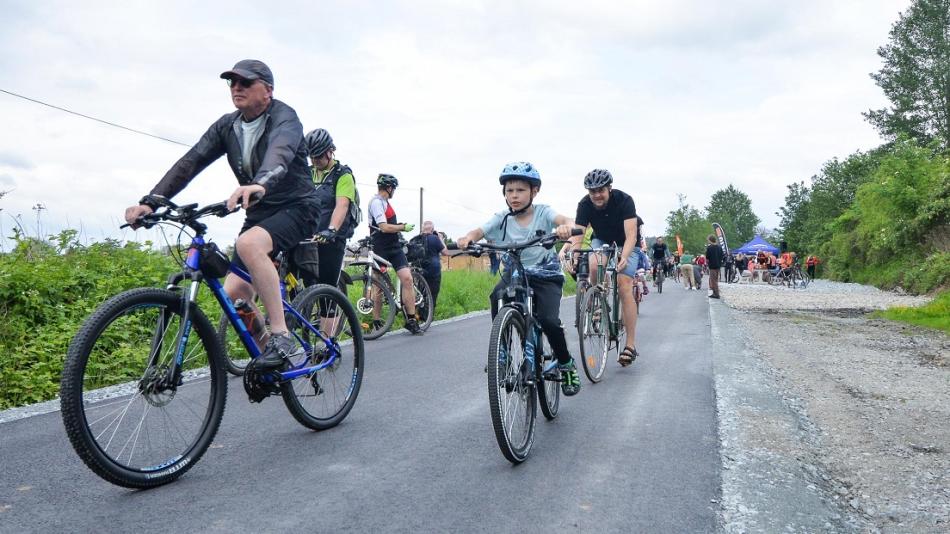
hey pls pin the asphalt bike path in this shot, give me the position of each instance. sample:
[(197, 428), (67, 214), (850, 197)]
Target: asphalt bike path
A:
[(636, 452)]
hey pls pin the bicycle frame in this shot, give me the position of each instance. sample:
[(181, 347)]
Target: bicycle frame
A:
[(607, 282), (193, 272), (374, 265)]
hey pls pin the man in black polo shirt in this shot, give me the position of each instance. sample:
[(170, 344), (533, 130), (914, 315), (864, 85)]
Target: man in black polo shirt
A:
[(613, 216)]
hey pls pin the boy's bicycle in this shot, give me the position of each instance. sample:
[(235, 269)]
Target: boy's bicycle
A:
[(600, 326), (520, 371), (378, 299), (144, 384)]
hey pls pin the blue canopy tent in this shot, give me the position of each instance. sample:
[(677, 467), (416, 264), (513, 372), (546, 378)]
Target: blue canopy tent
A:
[(756, 245)]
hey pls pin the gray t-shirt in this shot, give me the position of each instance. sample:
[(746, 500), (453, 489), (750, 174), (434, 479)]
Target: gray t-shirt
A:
[(537, 261), (252, 133)]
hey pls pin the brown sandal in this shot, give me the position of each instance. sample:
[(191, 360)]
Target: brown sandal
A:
[(627, 356)]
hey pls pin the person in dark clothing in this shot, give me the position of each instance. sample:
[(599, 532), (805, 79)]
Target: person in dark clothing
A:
[(714, 259), (321, 259), (435, 247), (263, 141), (660, 252)]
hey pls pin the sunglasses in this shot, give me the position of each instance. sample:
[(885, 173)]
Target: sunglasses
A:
[(245, 83)]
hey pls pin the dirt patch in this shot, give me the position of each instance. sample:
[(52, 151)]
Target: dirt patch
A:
[(877, 395)]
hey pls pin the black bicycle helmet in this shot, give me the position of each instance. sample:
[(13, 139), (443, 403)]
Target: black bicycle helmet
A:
[(387, 180), (319, 142), (597, 178)]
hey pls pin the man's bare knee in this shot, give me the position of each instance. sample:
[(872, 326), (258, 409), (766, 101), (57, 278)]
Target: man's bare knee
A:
[(253, 242)]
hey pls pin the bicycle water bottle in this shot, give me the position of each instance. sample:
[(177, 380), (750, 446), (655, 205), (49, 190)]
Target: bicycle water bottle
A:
[(252, 321)]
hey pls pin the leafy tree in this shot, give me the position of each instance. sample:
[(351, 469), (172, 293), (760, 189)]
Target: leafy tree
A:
[(691, 225), (831, 193), (916, 75), (794, 215), (732, 209)]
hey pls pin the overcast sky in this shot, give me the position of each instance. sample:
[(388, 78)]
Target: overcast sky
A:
[(671, 97)]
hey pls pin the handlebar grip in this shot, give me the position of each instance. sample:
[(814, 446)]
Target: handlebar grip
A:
[(452, 246), (577, 231)]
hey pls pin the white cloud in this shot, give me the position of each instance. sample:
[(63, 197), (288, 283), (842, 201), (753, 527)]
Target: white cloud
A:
[(672, 97)]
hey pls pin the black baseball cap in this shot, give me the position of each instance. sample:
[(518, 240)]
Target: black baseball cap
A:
[(250, 69)]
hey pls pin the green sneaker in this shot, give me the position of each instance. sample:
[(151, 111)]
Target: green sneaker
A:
[(570, 381)]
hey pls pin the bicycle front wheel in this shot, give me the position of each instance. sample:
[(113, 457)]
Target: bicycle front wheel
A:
[(425, 310), (582, 286), (511, 388), (130, 418), (593, 331), (323, 398), (375, 307)]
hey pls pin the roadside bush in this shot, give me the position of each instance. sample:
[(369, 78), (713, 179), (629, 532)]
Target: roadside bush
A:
[(885, 237), (46, 290)]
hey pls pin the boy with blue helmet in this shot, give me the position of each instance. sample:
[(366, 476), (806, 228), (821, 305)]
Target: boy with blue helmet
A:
[(520, 183)]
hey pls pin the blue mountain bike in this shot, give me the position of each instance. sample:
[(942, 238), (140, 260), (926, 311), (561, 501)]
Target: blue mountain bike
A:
[(521, 372), (144, 382)]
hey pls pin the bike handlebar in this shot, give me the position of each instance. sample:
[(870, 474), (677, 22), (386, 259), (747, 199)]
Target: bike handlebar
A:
[(545, 240), (187, 215)]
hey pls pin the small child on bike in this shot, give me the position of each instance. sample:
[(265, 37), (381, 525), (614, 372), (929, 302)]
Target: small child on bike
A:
[(520, 183)]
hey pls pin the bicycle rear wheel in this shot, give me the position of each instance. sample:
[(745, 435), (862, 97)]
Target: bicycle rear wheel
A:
[(231, 344), (593, 331), (424, 308), (511, 388), (130, 421), (377, 295), (549, 384), (323, 398)]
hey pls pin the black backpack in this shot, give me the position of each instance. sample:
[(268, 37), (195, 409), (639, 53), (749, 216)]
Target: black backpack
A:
[(417, 252)]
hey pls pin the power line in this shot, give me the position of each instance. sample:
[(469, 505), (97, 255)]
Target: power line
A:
[(133, 130), (93, 118)]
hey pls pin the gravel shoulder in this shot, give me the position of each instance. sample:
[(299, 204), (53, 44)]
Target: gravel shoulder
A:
[(830, 420)]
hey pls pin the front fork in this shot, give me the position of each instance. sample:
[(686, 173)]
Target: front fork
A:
[(173, 374)]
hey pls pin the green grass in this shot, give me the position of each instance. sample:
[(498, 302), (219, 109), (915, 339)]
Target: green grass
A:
[(465, 291), (936, 314)]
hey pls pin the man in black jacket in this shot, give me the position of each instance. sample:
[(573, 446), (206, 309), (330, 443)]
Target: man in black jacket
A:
[(714, 258), (263, 141)]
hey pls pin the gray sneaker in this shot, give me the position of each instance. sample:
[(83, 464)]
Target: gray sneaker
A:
[(279, 347)]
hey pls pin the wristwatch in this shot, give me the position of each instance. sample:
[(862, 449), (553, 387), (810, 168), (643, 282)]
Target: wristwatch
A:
[(331, 228)]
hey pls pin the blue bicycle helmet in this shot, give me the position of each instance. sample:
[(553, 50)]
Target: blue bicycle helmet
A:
[(520, 170)]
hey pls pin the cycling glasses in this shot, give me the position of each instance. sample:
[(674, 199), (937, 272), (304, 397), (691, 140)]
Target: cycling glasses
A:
[(243, 82)]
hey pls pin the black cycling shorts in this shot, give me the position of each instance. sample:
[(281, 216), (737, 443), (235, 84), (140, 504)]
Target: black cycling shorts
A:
[(394, 256), (287, 226)]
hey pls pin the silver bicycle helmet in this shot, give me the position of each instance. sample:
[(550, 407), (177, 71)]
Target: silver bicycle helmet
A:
[(597, 178), (319, 142)]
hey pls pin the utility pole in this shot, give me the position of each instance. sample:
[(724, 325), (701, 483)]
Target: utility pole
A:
[(420, 210), (38, 208)]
